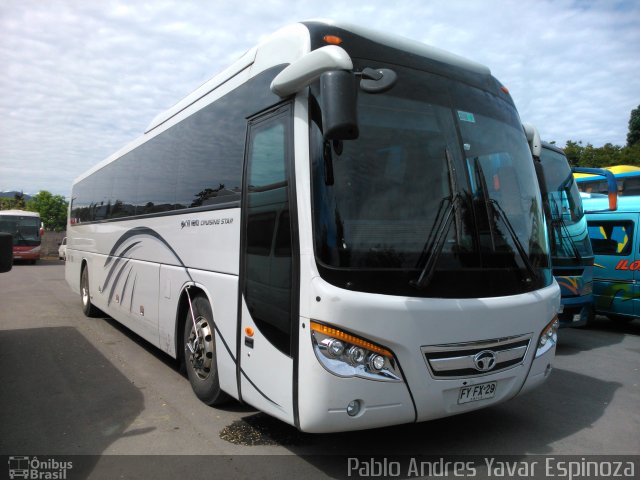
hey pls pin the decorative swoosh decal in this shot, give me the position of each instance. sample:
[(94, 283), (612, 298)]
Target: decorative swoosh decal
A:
[(115, 265), (115, 282), (115, 260), (137, 231)]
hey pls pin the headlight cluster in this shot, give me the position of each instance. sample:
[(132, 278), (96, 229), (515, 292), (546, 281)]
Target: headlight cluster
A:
[(548, 337), (346, 355), (587, 288)]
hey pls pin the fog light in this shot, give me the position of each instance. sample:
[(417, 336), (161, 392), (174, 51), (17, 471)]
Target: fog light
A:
[(353, 408), (376, 362)]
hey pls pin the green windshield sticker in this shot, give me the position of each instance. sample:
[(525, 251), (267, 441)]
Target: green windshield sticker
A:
[(466, 117)]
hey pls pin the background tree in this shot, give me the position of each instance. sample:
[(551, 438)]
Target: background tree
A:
[(16, 203), (573, 151), (633, 137), (7, 203), (19, 202), (52, 210)]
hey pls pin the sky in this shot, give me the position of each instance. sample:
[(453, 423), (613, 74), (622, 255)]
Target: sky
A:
[(81, 79)]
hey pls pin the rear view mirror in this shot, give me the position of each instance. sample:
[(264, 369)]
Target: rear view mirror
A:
[(612, 185), (6, 252), (533, 138), (338, 93)]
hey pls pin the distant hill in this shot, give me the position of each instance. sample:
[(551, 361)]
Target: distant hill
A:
[(13, 194)]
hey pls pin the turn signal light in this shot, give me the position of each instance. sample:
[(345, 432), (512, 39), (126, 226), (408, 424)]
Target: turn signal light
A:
[(332, 39)]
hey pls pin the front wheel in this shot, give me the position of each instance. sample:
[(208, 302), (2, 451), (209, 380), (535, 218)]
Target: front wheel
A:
[(200, 353), (87, 307)]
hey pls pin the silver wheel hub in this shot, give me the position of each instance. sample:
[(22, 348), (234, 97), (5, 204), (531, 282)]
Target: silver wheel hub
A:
[(85, 296), (85, 292), (200, 348)]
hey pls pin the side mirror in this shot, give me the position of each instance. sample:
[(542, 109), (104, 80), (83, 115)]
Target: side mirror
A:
[(6, 252), (339, 95), (612, 185), (533, 138)]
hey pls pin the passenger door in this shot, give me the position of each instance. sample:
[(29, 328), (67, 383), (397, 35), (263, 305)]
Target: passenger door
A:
[(268, 303), (616, 270)]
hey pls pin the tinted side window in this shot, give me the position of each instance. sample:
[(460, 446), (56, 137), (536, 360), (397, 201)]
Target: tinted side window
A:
[(195, 163), (102, 191), (210, 170), (158, 167), (611, 237), (125, 182)]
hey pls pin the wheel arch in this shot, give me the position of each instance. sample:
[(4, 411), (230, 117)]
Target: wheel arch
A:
[(181, 314)]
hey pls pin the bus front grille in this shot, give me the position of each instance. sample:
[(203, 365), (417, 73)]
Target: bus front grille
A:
[(476, 358)]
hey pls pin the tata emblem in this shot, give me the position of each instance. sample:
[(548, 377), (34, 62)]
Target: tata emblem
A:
[(484, 360)]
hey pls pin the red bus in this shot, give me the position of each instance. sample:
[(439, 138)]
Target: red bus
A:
[(27, 231)]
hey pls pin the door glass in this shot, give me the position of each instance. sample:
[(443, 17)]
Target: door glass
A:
[(268, 265)]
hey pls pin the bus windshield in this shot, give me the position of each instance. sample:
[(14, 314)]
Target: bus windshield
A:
[(25, 230), (438, 183), (569, 236)]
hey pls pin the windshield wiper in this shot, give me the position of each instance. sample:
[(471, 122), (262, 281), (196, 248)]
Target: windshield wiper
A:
[(490, 202), (485, 196), (514, 236), (435, 242), (438, 234)]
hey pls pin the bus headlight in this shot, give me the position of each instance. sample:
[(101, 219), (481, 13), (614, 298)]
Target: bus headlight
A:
[(346, 355), (548, 337)]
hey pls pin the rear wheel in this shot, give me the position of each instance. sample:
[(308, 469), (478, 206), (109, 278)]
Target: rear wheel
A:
[(200, 353), (87, 307)]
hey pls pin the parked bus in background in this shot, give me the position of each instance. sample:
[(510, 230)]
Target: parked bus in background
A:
[(616, 244), (26, 229), (339, 230), (571, 253), (627, 178)]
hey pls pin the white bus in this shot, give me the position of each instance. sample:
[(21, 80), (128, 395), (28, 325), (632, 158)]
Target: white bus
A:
[(342, 229)]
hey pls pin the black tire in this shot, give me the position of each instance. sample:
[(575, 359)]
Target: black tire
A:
[(87, 307), (201, 365)]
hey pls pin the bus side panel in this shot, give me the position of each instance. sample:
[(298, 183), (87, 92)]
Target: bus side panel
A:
[(613, 237), (127, 290), (72, 267)]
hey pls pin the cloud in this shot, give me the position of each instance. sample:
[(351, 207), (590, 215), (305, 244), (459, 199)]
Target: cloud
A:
[(82, 79)]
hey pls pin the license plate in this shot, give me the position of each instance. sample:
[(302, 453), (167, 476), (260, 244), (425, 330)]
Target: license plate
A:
[(477, 392)]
